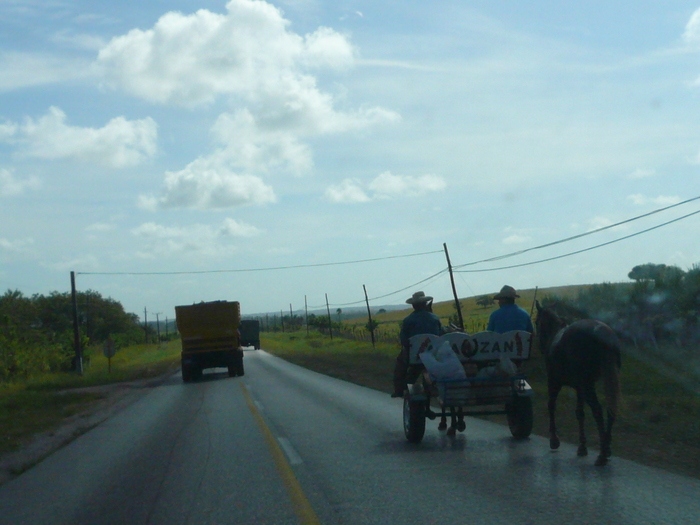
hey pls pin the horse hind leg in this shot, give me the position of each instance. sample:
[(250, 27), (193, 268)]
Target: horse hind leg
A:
[(553, 389), (580, 416), (597, 410), (606, 449)]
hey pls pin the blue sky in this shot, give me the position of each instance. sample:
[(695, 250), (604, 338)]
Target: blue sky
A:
[(192, 136)]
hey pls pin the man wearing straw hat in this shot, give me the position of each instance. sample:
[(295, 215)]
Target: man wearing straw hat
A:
[(421, 321), (509, 315)]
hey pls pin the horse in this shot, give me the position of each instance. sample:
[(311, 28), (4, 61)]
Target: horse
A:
[(578, 355)]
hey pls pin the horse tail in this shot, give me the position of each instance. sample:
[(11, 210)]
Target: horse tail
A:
[(611, 380)]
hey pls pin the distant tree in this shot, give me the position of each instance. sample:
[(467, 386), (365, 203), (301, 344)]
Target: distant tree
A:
[(339, 313), (381, 311), (485, 301)]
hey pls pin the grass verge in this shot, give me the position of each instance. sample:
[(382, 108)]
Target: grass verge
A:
[(41, 403), (659, 424)]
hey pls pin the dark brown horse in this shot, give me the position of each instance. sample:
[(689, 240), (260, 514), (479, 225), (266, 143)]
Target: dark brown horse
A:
[(578, 355)]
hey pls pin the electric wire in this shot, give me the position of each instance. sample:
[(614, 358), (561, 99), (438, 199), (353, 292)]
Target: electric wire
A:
[(427, 279), (316, 265), (580, 251), (561, 241)]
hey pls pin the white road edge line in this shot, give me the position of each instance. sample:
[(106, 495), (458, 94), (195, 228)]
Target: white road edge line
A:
[(292, 456)]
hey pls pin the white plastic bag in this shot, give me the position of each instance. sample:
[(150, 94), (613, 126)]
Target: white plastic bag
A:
[(443, 364)]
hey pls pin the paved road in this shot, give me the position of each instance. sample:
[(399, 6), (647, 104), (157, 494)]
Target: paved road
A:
[(285, 445)]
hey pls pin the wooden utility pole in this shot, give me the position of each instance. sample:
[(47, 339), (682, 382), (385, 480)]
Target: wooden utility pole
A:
[(76, 329), (158, 325), (454, 289), (291, 318), (306, 315), (330, 323), (369, 316), (145, 325)]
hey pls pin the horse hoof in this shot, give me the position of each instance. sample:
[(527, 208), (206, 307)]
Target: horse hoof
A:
[(554, 443), (582, 451), (442, 426), (601, 461)]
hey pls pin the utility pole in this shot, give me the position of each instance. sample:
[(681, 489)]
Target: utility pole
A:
[(76, 329), (330, 323), (369, 316), (454, 290), (145, 325), (306, 315), (158, 325)]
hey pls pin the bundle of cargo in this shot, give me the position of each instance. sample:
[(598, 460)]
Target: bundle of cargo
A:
[(210, 338)]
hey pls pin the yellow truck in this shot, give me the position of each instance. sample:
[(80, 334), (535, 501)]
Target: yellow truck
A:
[(210, 338)]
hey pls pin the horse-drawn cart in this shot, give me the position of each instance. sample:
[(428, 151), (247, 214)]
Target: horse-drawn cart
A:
[(489, 379)]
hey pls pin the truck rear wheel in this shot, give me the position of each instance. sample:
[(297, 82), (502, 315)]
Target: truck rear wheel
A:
[(186, 374)]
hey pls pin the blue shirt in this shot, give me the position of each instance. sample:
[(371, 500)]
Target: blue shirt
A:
[(509, 317), (420, 322)]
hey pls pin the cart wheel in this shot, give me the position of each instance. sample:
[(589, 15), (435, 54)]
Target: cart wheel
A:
[(232, 370), (186, 374), (240, 369), (414, 420), (519, 412)]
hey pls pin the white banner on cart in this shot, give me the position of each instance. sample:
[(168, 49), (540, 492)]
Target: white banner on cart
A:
[(482, 346)]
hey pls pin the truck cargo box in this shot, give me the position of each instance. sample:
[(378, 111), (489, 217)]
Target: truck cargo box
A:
[(210, 337)]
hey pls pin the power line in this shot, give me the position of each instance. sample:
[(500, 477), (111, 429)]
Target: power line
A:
[(520, 252), (265, 269), (583, 250), (390, 293)]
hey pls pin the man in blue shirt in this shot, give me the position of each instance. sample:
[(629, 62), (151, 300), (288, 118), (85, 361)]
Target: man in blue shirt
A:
[(421, 321), (509, 315)]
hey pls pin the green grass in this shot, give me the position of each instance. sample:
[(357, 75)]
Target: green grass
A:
[(39, 404), (659, 424)]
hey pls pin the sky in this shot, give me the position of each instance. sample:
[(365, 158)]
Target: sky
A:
[(292, 152)]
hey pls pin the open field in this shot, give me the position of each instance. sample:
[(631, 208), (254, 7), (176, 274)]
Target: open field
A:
[(41, 404), (659, 424)]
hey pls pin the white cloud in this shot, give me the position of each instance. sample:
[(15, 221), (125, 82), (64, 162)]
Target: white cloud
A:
[(7, 129), (516, 239), (257, 146), (385, 186), (249, 56), (346, 192), (79, 40), (233, 228), (692, 29), (100, 227), (20, 70), (205, 184), (661, 200), (191, 59), (198, 239), (641, 173), (15, 246), (599, 222), (10, 186), (120, 143)]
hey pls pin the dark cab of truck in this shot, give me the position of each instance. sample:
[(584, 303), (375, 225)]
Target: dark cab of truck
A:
[(250, 333), (210, 338)]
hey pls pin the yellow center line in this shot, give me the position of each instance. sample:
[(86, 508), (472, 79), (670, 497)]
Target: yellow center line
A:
[(302, 507)]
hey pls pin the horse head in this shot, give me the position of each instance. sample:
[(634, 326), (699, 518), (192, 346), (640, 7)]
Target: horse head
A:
[(547, 325)]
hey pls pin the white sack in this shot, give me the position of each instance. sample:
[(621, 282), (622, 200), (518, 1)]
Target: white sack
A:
[(443, 364)]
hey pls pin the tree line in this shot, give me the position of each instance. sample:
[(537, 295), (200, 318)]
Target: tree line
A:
[(36, 333), (661, 305)]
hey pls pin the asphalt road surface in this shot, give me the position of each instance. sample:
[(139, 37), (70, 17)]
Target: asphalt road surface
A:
[(286, 445)]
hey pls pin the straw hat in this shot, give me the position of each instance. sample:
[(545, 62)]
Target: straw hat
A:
[(507, 292), (419, 297)]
